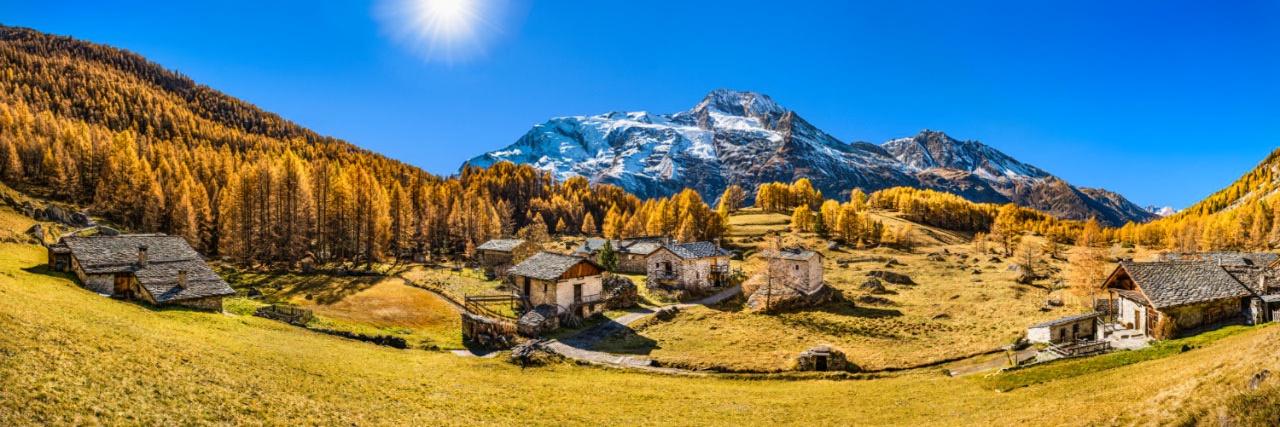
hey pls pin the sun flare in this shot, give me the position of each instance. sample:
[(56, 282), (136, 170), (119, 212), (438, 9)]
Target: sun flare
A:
[(442, 30)]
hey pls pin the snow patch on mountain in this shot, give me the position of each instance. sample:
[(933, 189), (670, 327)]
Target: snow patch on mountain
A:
[(746, 139)]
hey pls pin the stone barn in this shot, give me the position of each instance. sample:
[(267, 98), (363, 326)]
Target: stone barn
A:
[(1067, 329), (497, 253), (631, 252), (696, 266), (161, 270), (1186, 295), (573, 285)]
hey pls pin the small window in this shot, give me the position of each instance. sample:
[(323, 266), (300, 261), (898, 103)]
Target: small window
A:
[(796, 267)]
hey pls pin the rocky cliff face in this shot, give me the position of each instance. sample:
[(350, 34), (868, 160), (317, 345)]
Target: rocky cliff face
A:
[(745, 139)]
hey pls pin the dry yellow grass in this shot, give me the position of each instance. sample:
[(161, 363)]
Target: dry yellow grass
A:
[(70, 357), (945, 316)]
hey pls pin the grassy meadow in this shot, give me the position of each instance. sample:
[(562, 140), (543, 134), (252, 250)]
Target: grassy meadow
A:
[(71, 357), (959, 306)]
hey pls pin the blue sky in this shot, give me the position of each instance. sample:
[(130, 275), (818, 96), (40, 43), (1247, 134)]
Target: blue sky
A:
[(1162, 101)]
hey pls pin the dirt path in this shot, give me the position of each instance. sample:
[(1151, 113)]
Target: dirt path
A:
[(996, 361), (578, 346)]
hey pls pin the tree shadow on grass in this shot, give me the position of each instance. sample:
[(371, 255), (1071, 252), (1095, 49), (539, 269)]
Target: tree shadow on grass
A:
[(850, 309), (626, 341), (323, 289)]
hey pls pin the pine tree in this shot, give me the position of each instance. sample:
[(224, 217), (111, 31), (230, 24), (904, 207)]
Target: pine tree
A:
[(607, 257)]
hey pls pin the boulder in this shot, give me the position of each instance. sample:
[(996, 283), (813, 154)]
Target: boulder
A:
[(831, 246), (667, 314), (892, 262), (873, 285), (942, 316), (975, 280), (874, 300), (533, 353), (996, 260), (36, 232), (891, 277), (936, 257)]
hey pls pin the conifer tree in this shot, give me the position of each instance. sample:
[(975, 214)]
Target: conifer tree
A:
[(588, 225)]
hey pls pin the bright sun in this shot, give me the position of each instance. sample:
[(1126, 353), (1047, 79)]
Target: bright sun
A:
[(441, 30)]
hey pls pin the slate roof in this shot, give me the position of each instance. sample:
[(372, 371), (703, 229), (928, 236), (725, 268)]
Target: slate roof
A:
[(1252, 277), (167, 256), (546, 265), (1067, 319), (696, 250), (793, 254), (1259, 259), (637, 246), (1176, 283), (500, 245)]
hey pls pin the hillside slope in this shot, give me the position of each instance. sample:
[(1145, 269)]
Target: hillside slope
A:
[(747, 139), (64, 349)]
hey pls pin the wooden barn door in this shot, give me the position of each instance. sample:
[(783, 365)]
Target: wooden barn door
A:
[(122, 286)]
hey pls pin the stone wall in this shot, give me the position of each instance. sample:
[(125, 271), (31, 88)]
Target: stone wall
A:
[(631, 263), (1205, 314), (488, 332), (207, 303)]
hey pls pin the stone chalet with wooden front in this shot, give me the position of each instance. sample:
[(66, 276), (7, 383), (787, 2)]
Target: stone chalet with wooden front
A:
[(696, 266), (161, 270), (631, 252), (1199, 293), (572, 284)]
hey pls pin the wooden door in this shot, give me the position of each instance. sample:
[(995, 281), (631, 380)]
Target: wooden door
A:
[(122, 286), (820, 363), (577, 293)]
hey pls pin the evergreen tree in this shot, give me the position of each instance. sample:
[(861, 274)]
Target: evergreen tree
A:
[(607, 257)]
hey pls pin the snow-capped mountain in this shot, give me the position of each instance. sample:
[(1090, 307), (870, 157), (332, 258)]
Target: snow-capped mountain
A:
[(745, 139), (1162, 211)]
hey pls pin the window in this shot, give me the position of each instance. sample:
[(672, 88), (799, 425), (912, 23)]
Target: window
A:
[(795, 267)]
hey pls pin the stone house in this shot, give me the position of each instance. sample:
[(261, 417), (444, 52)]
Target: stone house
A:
[(571, 284), (790, 278), (161, 270), (631, 252), (695, 266), (500, 252), (1067, 329), (798, 269), (1189, 295)]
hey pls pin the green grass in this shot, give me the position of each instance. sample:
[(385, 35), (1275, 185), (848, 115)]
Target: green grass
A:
[(1068, 368)]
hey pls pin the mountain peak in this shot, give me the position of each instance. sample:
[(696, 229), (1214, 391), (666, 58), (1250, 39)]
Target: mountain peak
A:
[(739, 103)]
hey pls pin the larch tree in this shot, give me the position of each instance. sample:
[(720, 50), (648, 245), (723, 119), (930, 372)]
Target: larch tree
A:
[(588, 225), (802, 219)]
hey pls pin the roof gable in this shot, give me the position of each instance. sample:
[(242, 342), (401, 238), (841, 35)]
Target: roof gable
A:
[(548, 266), (501, 245)]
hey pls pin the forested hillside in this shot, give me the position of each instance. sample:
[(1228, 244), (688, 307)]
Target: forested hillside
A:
[(151, 150), (1244, 215)]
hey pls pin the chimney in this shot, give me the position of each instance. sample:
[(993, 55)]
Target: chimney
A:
[(182, 279), (142, 255), (717, 242)]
